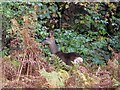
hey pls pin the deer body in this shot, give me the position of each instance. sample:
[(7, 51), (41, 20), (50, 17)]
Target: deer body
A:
[(65, 57)]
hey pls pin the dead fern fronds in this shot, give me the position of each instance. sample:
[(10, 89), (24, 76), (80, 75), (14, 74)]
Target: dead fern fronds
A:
[(25, 49)]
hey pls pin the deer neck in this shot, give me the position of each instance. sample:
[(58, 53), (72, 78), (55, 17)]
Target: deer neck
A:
[(53, 48)]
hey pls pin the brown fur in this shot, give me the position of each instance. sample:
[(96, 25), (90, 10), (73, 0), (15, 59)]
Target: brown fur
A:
[(66, 57)]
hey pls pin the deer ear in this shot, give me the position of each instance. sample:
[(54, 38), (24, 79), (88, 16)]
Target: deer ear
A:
[(51, 34)]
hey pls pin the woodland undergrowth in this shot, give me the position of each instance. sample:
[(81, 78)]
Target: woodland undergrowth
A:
[(27, 67)]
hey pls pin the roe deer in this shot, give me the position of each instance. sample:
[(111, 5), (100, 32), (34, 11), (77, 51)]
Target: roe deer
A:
[(65, 57)]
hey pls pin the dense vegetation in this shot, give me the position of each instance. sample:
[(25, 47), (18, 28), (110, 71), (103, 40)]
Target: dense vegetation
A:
[(90, 29)]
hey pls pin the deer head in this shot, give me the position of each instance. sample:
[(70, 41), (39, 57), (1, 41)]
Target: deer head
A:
[(50, 41)]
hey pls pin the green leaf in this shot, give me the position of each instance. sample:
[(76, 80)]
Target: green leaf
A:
[(53, 78), (15, 63)]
